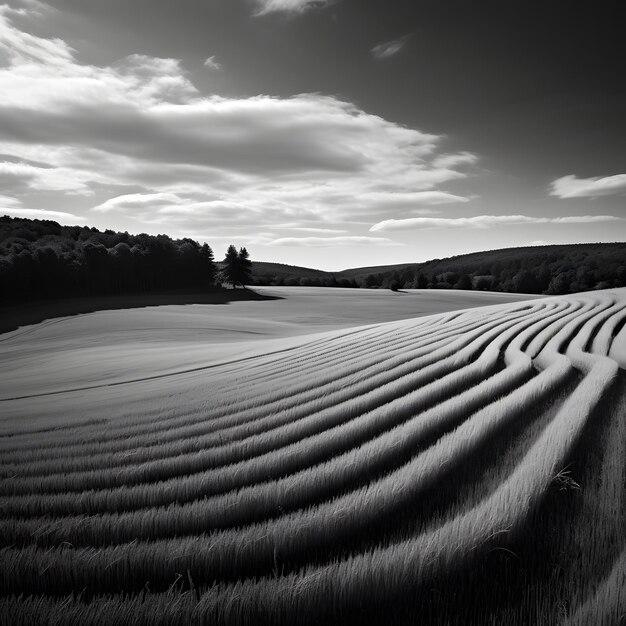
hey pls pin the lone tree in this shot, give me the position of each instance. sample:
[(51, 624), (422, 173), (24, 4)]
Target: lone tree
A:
[(245, 267), (237, 267)]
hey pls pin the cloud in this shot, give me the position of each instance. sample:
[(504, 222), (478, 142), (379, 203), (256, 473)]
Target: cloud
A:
[(46, 178), (8, 201), (40, 214), (25, 8), (191, 210), (484, 221), (21, 47), (411, 198), (288, 6), (212, 63), (454, 160), (308, 229), (390, 48), (13, 207), (134, 200), (325, 242), (139, 136), (572, 187)]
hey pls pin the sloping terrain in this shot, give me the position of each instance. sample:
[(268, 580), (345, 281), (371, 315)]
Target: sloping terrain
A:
[(465, 467)]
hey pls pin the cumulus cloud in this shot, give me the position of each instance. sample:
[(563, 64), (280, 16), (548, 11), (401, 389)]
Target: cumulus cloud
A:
[(572, 187), (288, 6), (390, 48), (484, 221), (212, 63), (325, 242), (139, 131)]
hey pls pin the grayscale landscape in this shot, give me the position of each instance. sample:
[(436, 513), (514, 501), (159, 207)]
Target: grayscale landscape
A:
[(312, 312)]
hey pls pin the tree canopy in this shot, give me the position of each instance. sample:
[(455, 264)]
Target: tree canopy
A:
[(237, 267), (41, 258)]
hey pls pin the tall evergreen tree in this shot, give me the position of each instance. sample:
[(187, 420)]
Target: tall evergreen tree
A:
[(209, 264), (237, 267), (229, 272), (245, 267)]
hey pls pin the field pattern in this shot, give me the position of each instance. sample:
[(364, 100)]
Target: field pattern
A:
[(460, 468)]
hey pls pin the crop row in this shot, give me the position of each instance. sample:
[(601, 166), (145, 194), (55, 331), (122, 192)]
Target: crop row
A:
[(250, 406), (278, 499)]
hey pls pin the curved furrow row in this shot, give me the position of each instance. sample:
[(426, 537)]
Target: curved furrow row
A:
[(242, 423), (407, 347), (398, 440), (400, 567), (348, 403), (268, 402), (603, 341), (274, 501), (618, 348), (224, 372), (232, 552), (350, 433)]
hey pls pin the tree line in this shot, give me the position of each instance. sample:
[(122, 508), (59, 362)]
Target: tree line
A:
[(551, 270), (41, 258)]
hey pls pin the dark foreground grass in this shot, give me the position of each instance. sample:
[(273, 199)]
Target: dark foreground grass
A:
[(565, 551)]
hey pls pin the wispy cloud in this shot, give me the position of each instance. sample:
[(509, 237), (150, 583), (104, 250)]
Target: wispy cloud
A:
[(13, 207), (310, 229), (411, 199), (288, 6), (134, 200), (326, 242), (65, 179), (212, 63), (41, 214), (455, 160), (572, 187), (388, 49), (484, 221)]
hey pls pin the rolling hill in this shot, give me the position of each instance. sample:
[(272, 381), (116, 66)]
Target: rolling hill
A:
[(556, 269)]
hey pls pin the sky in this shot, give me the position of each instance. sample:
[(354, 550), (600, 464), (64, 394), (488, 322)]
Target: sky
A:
[(324, 133)]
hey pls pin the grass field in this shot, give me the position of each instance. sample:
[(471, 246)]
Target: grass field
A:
[(327, 456)]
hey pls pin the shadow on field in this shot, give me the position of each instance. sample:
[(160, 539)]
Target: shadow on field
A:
[(24, 314)]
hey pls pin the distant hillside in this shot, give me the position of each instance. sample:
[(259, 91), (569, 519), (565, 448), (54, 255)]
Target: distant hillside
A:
[(361, 272), (40, 258), (554, 269), (263, 270)]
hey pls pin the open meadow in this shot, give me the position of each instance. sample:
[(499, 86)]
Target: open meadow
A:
[(324, 456)]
